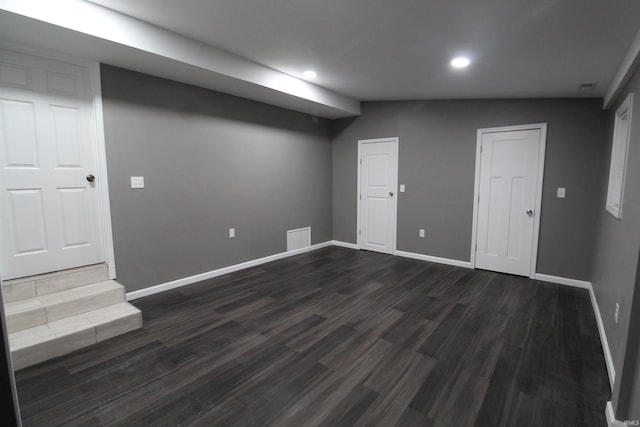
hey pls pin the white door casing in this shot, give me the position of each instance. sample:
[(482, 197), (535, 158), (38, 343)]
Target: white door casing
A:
[(377, 194), (50, 214), (508, 192)]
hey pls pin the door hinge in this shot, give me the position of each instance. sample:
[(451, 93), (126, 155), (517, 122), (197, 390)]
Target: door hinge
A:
[(360, 161), (481, 148), (360, 196), (360, 232), (476, 247), (478, 198)]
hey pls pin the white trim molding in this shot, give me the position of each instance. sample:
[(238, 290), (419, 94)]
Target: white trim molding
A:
[(608, 358), (394, 217), (476, 202), (344, 244), (453, 262), (308, 248), (219, 272), (98, 138), (438, 260), (538, 196), (103, 180), (596, 311), (348, 245), (562, 281), (252, 263), (611, 417), (619, 154)]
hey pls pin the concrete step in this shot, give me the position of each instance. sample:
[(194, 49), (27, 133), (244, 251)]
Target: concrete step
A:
[(56, 338), (42, 309), (43, 284)]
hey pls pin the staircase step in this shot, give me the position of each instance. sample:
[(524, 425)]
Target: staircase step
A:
[(42, 309), (43, 284), (44, 342)]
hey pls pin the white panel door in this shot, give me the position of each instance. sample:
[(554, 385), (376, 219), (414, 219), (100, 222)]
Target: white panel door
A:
[(49, 214), (378, 178), (506, 209)]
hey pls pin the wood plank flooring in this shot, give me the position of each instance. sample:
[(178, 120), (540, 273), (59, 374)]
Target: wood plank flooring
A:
[(338, 337)]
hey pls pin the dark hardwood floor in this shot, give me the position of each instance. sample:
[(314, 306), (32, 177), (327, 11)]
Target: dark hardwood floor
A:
[(338, 337)]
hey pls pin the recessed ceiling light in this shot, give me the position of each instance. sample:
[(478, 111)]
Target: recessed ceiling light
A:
[(310, 74), (460, 62)]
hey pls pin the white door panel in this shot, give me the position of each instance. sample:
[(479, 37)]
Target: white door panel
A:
[(507, 200), (47, 150), (376, 217), (14, 75), (74, 213), (19, 136), (377, 195), (62, 83), (67, 136), (26, 212)]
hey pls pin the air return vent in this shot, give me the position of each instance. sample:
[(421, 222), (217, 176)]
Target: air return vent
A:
[(586, 87), (298, 239)]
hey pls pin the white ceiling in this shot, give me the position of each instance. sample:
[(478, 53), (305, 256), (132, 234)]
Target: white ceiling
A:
[(382, 49), (361, 49)]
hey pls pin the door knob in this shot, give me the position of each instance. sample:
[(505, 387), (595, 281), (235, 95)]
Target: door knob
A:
[(530, 212), (391, 193), (91, 178)]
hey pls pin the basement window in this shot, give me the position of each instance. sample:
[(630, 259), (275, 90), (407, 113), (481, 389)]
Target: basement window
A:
[(619, 150)]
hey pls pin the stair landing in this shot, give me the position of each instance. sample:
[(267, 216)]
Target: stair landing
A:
[(57, 313)]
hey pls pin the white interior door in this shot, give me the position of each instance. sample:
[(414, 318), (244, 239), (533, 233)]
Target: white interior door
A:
[(377, 195), (49, 210), (508, 200)]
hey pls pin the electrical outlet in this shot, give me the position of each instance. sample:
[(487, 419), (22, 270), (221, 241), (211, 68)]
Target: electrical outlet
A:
[(232, 233), (617, 312), (421, 233)]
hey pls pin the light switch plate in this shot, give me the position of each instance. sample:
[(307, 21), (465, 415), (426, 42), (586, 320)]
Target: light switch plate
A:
[(561, 192), (402, 188), (232, 233), (137, 182)]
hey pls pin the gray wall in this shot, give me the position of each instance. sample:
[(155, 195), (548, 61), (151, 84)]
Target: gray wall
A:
[(634, 395), (627, 393), (210, 161), (437, 165), (213, 161), (617, 247)]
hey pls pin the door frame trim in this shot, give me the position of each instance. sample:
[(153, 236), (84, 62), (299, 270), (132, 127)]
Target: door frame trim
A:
[(538, 203), (396, 142), (98, 139)]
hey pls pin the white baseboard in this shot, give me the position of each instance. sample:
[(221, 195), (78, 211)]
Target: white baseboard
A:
[(447, 261), (596, 311), (611, 417), (562, 281), (603, 339), (412, 255), (457, 263), (233, 268), (309, 249), (344, 244), (219, 272)]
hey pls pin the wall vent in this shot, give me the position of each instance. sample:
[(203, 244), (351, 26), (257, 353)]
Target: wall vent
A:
[(586, 87), (298, 239)]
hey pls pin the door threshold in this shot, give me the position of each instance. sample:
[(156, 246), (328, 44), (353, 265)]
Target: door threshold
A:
[(53, 274)]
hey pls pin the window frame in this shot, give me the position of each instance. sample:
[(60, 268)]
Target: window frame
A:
[(619, 157)]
